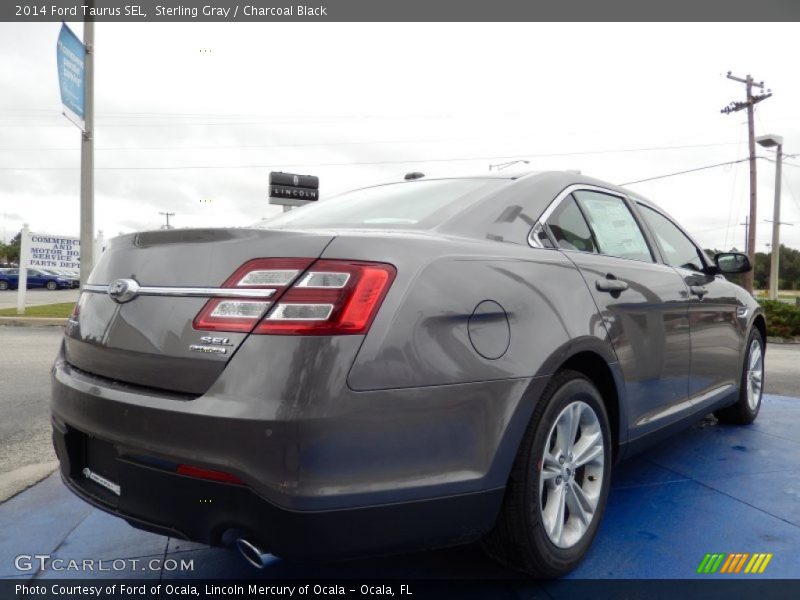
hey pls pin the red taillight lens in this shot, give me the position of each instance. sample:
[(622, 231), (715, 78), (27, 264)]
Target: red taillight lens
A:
[(241, 313), (333, 297), (210, 474), (328, 297)]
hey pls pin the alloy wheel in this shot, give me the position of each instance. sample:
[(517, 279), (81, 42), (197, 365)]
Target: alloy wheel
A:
[(755, 374), (571, 477)]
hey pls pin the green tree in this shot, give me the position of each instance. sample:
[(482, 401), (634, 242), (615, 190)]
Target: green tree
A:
[(11, 250), (789, 267)]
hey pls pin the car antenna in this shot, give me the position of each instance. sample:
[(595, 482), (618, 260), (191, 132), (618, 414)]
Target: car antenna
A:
[(414, 175)]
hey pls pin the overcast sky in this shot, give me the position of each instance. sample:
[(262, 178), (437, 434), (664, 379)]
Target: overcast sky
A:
[(192, 117)]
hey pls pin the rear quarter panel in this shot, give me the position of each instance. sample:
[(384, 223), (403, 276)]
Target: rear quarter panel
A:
[(534, 306)]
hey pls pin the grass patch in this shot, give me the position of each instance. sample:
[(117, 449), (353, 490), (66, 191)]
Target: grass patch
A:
[(56, 311)]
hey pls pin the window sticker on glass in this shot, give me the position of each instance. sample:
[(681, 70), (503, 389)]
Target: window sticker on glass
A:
[(616, 231)]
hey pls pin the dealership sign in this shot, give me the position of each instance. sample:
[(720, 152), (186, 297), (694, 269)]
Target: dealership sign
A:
[(46, 250), (71, 58), (288, 189)]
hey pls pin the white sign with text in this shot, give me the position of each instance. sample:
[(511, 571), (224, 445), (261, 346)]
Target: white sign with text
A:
[(47, 250)]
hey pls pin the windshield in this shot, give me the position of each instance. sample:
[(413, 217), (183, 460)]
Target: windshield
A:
[(409, 205)]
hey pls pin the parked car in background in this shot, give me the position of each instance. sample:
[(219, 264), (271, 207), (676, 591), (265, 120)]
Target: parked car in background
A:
[(8, 279), (406, 366), (67, 274), (36, 278)]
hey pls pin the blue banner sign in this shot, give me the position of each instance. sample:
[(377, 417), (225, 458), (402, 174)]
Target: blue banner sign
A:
[(70, 57)]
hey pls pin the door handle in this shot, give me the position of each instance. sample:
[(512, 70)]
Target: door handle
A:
[(611, 284), (698, 290)]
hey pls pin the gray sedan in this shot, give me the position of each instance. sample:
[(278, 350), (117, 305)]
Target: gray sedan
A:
[(406, 366)]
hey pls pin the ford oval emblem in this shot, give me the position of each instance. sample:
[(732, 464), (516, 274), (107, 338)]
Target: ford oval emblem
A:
[(123, 290)]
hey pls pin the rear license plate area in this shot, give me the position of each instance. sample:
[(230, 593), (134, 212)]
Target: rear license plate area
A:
[(98, 472)]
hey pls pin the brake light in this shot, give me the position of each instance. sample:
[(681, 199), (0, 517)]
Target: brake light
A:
[(240, 313), (328, 297), (333, 297)]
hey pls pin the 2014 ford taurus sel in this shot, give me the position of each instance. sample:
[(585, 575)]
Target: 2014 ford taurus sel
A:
[(406, 366)]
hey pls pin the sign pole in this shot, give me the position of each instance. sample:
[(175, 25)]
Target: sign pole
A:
[(24, 263), (87, 156)]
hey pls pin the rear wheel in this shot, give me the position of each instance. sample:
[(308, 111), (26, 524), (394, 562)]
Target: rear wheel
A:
[(3, 285), (751, 385), (558, 488), (51, 285)]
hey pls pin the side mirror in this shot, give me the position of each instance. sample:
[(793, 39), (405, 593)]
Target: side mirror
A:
[(732, 262)]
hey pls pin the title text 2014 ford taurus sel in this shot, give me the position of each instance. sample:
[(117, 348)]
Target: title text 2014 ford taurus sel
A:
[(406, 366)]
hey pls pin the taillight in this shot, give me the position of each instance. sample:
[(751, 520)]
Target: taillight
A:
[(328, 297), (241, 313), (333, 297)]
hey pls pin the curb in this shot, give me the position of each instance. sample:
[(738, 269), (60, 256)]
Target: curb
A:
[(33, 322)]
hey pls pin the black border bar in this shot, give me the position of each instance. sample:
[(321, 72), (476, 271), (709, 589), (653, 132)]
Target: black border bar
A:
[(402, 10), (353, 589)]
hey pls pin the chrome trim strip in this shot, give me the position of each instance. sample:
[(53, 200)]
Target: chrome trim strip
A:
[(189, 292)]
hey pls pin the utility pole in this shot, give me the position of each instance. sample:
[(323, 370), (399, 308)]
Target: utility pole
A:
[(167, 215), (87, 155), (749, 104)]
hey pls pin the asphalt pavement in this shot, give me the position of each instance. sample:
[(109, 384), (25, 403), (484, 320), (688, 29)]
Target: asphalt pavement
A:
[(782, 362), (36, 297), (26, 453)]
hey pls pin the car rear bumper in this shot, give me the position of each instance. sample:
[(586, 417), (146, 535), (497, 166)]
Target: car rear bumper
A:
[(357, 473), (157, 500)]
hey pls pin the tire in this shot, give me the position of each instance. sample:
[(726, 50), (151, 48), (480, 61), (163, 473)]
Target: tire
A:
[(51, 285), (751, 385), (526, 534), (3, 285)]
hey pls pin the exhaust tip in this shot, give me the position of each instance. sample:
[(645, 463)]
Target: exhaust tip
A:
[(252, 553)]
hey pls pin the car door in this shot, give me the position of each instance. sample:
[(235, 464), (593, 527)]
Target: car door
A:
[(716, 332), (35, 278), (642, 302)]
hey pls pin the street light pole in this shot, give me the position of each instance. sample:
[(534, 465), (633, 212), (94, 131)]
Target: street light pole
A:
[(775, 141), (501, 166), (776, 228)]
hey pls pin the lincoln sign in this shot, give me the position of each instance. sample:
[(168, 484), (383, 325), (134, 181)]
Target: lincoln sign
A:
[(288, 189)]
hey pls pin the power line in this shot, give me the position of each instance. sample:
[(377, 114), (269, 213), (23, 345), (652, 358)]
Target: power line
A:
[(379, 142), (354, 163), (723, 164), (246, 146)]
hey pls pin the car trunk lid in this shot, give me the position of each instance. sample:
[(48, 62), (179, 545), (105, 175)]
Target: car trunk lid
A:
[(149, 339)]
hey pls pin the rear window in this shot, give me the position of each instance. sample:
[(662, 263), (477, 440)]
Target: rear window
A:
[(409, 205)]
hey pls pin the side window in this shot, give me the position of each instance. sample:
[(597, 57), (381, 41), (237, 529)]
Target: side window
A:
[(569, 228), (679, 250), (615, 229)]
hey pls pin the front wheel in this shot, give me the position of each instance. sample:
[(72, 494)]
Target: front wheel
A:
[(52, 285), (559, 483), (751, 385), (3, 285)]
